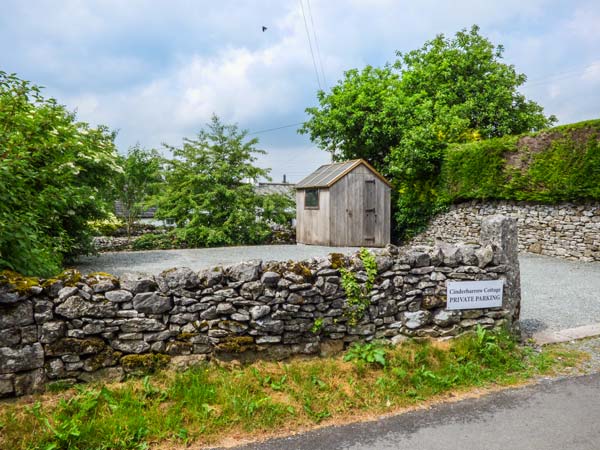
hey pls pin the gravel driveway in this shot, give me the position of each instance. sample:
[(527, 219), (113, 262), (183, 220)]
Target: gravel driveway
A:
[(556, 293), (155, 261)]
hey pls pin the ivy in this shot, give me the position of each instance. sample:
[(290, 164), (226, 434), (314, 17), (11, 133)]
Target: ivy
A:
[(357, 295), (556, 165)]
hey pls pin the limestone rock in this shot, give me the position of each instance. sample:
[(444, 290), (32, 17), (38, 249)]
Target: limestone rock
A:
[(270, 278), (52, 331), (20, 358), (244, 271), (30, 382), (130, 346), (211, 277), (16, 315), (152, 303), (118, 296), (416, 319), (137, 283), (178, 278), (259, 311), (75, 307)]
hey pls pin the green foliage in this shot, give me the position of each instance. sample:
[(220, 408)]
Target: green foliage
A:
[(55, 176), (161, 241), (105, 227), (357, 295), (560, 164), (210, 193), (140, 180), (371, 353), (401, 117), (317, 325)]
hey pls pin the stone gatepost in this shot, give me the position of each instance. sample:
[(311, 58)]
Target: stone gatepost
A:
[(501, 233)]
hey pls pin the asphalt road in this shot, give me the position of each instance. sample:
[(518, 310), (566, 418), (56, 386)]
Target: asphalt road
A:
[(554, 415)]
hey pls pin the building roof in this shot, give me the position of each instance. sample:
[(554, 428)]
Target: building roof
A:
[(329, 174), (121, 211), (286, 189)]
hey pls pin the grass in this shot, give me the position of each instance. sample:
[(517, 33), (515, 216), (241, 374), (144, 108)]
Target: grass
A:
[(211, 402)]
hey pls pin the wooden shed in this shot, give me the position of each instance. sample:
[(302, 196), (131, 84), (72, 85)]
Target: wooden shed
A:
[(343, 204)]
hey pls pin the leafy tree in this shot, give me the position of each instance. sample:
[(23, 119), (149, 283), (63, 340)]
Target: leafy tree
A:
[(209, 190), (55, 174), (402, 117), (140, 180)]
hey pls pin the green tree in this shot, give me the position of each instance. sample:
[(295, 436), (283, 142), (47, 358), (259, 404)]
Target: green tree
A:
[(141, 178), (402, 117), (210, 190), (55, 176)]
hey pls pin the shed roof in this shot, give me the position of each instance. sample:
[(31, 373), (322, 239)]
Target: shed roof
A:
[(329, 174)]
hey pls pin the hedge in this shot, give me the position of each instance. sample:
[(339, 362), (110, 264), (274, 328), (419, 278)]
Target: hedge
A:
[(555, 165)]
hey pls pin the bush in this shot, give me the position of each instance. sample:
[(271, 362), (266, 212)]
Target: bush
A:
[(560, 164), (158, 241), (106, 227), (56, 175)]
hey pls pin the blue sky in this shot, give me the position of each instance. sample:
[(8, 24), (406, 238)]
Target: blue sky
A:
[(157, 70)]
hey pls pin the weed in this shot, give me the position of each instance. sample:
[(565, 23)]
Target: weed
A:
[(317, 325), (371, 353), (357, 295)]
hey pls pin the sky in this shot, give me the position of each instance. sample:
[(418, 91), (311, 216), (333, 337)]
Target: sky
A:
[(157, 70)]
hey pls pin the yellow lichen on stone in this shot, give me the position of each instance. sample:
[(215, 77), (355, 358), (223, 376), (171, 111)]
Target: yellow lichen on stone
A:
[(236, 344), (337, 260), (146, 363), (20, 283)]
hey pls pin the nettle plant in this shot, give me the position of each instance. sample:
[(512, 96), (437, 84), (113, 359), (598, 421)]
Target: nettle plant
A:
[(357, 294)]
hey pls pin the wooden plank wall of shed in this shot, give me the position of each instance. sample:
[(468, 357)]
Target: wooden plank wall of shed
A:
[(348, 210), (312, 225)]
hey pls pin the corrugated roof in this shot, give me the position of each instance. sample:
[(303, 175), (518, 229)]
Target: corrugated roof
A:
[(329, 174)]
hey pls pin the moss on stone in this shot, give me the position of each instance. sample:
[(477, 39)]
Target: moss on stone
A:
[(337, 260), (185, 336), (95, 277), (144, 364), (236, 344), (20, 283), (69, 277), (67, 346), (300, 269), (106, 358)]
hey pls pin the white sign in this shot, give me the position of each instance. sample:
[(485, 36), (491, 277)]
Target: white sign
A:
[(474, 294)]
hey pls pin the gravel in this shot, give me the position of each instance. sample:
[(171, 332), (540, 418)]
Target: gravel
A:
[(155, 261), (556, 293)]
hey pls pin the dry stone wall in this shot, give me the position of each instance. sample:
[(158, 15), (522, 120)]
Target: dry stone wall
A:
[(72, 330), (565, 230)]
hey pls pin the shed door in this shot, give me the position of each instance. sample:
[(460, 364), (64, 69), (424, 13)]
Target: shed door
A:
[(370, 214)]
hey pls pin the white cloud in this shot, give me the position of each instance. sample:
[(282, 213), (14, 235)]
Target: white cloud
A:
[(157, 70)]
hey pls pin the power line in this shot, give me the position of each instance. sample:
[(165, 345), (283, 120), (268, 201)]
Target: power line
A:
[(312, 54), (277, 128), (562, 75), (316, 42)]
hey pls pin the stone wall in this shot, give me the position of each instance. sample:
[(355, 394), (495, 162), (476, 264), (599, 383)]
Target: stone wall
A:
[(73, 329), (565, 230)]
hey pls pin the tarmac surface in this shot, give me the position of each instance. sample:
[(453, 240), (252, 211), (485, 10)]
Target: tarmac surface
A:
[(552, 415)]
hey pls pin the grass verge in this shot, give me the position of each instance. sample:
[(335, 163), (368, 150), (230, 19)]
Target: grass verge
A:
[(208, 403)]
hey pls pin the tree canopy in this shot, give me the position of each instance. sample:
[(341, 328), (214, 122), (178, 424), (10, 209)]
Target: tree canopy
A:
[(210, 189), (139, 181), (55, 176), (401, 117)]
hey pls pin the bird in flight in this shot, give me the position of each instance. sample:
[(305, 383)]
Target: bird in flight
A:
[(264, 28)]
